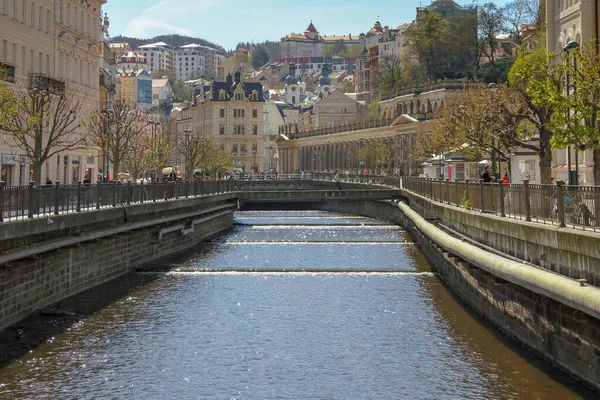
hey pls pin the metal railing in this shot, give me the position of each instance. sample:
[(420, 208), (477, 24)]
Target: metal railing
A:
[(23, 202), (572, 206)]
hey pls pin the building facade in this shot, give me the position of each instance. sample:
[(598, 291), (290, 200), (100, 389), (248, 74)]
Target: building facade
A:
[(53, 41), (231, 115), (566, 21), (310, 43), (159, 55)]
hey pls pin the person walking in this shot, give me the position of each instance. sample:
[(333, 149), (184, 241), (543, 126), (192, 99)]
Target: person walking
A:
[(338, 185)]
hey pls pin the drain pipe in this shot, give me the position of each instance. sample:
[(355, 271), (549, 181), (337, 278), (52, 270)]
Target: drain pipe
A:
[(573, 293)]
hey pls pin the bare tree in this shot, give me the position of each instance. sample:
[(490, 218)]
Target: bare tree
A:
[(490, 25), (42, 120), (115, 129)]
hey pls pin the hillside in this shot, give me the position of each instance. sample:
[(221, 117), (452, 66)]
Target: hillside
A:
[(173, 40)]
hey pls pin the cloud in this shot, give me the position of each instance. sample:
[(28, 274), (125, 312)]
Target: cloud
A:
[(168, 16)]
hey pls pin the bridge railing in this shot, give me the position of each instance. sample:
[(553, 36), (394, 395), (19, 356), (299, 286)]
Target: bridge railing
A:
[(559, 204), (23, 202)]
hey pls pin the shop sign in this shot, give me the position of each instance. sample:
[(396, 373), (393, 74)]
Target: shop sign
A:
[(10, 159)]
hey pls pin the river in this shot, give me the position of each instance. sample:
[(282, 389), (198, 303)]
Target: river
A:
[(288, 305)]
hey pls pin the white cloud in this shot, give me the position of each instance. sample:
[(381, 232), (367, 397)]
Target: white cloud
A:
[(168, 16)]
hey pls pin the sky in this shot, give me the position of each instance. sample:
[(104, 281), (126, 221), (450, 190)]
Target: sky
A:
[(228, 22)]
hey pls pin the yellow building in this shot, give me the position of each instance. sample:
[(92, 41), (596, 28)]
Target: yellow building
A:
[(231, 115), (56, 41)]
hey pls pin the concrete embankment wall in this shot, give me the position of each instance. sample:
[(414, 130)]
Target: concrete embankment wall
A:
[(80, 251), (567, 336)]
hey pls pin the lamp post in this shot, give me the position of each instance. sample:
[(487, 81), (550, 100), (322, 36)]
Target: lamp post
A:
[(573, 180), (105, 144), (361, 162), (188, 153)]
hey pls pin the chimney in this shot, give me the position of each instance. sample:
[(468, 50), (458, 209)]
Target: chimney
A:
[(229, 78), (238, 75)]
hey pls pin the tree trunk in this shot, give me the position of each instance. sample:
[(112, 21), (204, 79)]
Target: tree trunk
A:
[(545, 155), (596, 167)]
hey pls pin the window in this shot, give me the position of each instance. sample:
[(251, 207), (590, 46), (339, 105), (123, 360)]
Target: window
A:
[(222, 113), (221, 130), (239, 129), (239, 113), (234, 149), (32, 15), (255, 113), (254, 130), (254, 148), (243, 148), (222, 95), (239, 96)]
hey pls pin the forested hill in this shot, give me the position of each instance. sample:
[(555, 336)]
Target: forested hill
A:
[(174, 40)]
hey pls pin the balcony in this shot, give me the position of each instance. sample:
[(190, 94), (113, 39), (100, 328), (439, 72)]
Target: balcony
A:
[(44, 82), (7, 72)]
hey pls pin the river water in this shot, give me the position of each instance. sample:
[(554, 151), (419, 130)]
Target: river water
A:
[(288, 305)]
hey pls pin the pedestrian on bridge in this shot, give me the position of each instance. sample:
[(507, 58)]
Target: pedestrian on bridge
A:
[(338, 185)]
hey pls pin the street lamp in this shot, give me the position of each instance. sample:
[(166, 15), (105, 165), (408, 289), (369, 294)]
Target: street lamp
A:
[(493, 88), (187, 154), (573, 179), (104, 144)]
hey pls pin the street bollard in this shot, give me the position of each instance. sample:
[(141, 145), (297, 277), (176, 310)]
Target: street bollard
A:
[(56, 198), (527, 200), (98, 195), (501, 190), (79, 196), (2, 185), (560, 202), (30, 202)]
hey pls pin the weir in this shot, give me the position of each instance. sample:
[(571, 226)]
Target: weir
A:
[(530, 300)]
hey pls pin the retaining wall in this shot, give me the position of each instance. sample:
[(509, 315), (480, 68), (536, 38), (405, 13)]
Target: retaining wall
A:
[(564, 336), (98, 256)]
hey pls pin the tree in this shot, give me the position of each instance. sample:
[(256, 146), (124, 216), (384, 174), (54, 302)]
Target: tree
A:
[(335, 48), (533, 80), (192, 148), (577, 117), (115, 130), (390, 75), (351, 51), (514, 15), (41, 119), (462, 51), (427, 45), (490, 25), (260, 57), (496, 72), (159, 143)]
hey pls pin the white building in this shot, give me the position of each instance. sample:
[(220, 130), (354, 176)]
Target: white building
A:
[(191, 62), (161, 91), (131, 61), (159, 56)]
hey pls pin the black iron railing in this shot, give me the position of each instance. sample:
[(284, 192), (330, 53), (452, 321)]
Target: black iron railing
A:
[(21, 202)]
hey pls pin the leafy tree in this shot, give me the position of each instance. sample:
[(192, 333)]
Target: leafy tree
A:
[(427, 45), (390, 75), (260, 57), (335, 48), (496, 72), (462, 51), (41, 119), (373, 110), (376, 155), (532, 79), (577, 117), (351, 51)]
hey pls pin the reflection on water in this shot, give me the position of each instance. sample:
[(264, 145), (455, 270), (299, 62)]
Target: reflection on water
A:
[(332, 310)]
